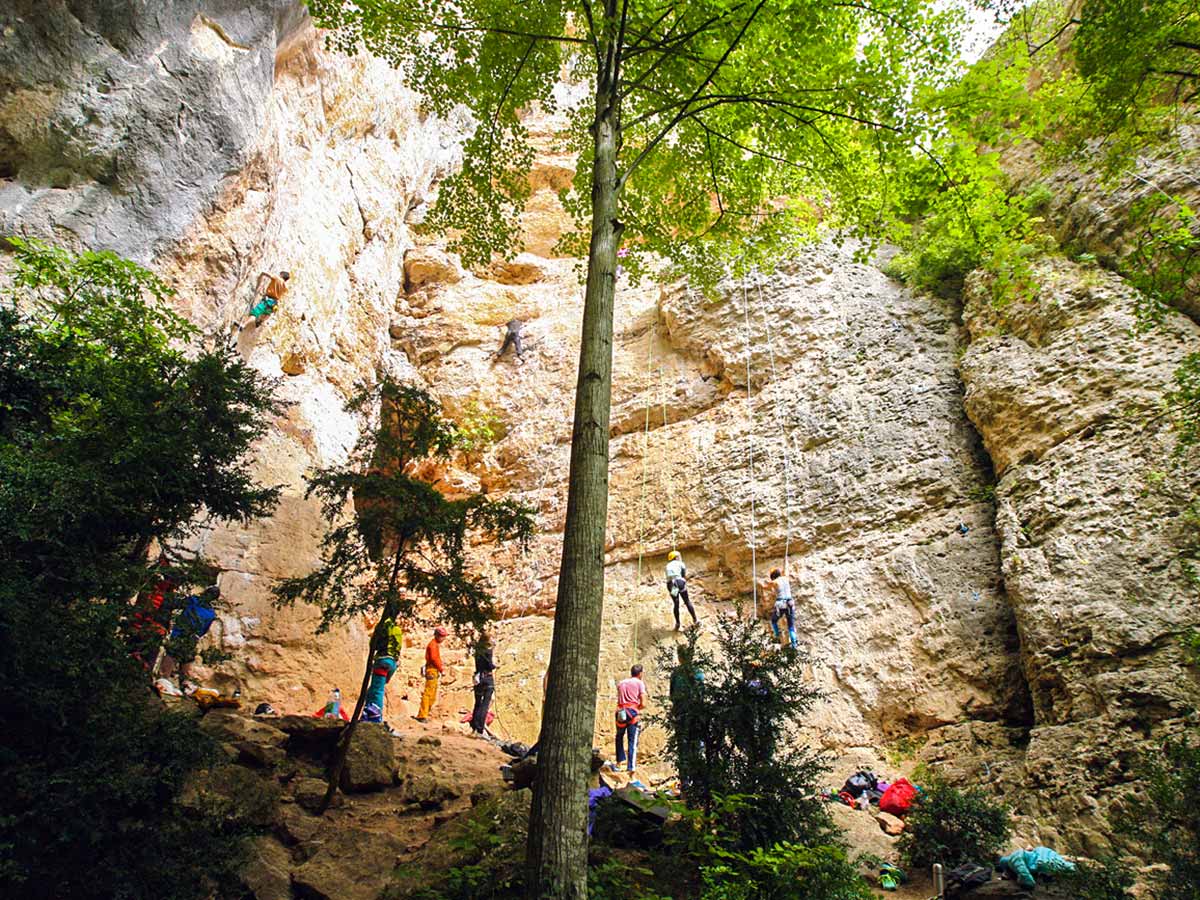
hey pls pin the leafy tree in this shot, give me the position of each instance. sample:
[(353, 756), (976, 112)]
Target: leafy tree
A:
[(715, 130), (731, 726), (404, 546), (113, 436), (1167, 822), (952, 826)]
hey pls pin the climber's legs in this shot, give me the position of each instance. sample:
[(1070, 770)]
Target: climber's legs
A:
[(784, 610), (429, 697), (683, 593)]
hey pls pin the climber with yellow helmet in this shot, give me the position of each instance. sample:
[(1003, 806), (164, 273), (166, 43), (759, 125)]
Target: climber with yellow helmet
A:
[(677, 585)]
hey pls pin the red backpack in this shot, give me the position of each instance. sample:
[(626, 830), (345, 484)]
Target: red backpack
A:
[(898, 798)]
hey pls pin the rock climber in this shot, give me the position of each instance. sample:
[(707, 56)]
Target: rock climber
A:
[(433, 672), (485, 684), (781, 589), (631, 700), (269, 290), (512, 337), (381, 673), (677, 585)]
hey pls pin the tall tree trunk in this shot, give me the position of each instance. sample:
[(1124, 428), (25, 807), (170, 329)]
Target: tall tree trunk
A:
[(557, 851)]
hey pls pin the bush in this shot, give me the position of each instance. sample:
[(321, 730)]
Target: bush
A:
[(729, 729), (785, 871), (1107, 879), (1167, 820), (951, 826)]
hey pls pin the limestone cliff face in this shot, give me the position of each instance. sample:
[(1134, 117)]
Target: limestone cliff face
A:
[(1023, 626), (1088, 505)]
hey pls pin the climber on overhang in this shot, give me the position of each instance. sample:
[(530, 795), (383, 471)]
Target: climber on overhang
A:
[(781, 588), (268, 291), (677, 585), (512, 338)]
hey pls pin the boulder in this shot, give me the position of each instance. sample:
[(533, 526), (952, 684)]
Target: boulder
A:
[(370, 761), (890, 824), (428, 789), (350, 864), (309, 792), (310, 736), (429, 265), (266, 872), (234, 727), (525, 269)]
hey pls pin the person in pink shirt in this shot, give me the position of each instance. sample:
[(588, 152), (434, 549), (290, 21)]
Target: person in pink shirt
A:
[(631, 700)]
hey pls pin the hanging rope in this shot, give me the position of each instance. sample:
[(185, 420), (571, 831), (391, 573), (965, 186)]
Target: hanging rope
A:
[(750, 450), (665, 472), (781, 425), (646, 450)]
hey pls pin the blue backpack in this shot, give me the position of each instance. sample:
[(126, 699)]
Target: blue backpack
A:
[(195, 618)]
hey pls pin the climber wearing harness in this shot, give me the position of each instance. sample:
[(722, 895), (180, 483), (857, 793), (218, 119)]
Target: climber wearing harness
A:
[(781, 587), (677, 585), (269, 290), (512, 338), (631, 700), (381, 673)]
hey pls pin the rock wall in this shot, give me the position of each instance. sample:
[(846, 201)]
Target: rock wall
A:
[(1024, 627), (1065, 394)]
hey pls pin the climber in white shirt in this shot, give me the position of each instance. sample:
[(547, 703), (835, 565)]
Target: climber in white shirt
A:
[(785, 606), (677, 585)]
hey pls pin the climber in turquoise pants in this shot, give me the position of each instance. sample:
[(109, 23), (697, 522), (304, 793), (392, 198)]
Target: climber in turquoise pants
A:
[(381, 673), (1025, 864)]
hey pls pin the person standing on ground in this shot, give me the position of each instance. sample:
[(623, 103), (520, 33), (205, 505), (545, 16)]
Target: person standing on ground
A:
[(631, 700), (512, 338), (433, 672), (781, 589), (677, 585), (381, 673), (269, 290), (485, 684)]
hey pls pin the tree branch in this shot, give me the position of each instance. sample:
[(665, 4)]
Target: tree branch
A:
[(621, 179)]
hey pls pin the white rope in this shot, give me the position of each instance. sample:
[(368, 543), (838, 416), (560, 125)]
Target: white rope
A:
[(666, 467), (750, 451), (646, 448), (781, 424)]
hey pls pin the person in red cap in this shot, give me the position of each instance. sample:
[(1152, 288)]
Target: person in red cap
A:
[(433, 672)]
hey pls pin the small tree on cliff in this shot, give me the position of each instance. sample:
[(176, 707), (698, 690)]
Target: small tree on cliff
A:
[(710, 122), (403, 547)]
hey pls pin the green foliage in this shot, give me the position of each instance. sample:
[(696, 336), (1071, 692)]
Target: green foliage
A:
[(730, 735), (724, 112), (952, 826), (405, 544), (1107, 879), (478, 427), (1167, 820), (112, 436), (785, 871), (1191, 646)]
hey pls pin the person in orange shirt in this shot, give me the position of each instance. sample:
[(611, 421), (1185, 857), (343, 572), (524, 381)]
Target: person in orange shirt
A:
[(433, 672), (270, 291)]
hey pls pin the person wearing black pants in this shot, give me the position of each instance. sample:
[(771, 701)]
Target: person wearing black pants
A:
[(485, 685), (677, 585)]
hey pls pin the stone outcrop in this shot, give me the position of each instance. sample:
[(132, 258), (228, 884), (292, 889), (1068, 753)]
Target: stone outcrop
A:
[(1089, 503)]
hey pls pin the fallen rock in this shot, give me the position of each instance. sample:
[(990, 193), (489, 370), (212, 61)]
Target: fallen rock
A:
[(890, 824), (428, 265), (259, 756), (310, 736), (309, 792), (230, 725), (428, 790), (266, 872), (351, 864), (370, 761), (296, 828)]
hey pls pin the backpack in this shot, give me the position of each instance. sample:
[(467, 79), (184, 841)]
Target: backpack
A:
[(197, 617), (898, 798), (859, 782), (962, 880)]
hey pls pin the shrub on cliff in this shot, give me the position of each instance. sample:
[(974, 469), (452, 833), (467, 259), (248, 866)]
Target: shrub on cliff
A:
[(1167, 819), (112, 437), (952, 826)]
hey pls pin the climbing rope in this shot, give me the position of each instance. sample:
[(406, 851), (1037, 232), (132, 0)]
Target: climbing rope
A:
[(646, 448), (665, 471), (750, 451), (781, 425)]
